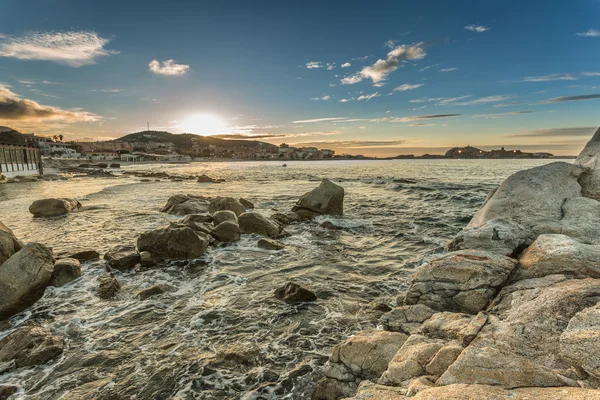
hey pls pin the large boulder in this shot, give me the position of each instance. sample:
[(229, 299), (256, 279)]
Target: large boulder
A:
[(407, 319), (174, 200), (29, 346), (227, 232), (65, 270), (224, 215), (122, 257), (253, 222), (24, 278), (226, 203), (558, 254), (182, 204), (327, 198), (9, 244), (53, 207), (173, 243), (590, 158), (579, 343), (463, 281)]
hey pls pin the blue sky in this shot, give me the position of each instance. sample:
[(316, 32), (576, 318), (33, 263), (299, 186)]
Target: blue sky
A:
[(373, 78)]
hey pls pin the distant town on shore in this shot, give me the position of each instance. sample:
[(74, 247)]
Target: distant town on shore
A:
[(160, 146)]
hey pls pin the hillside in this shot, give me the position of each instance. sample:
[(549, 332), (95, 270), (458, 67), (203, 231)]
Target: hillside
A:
[(184, 140), (10, 136)]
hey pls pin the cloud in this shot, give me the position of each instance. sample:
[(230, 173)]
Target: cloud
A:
[(407, 87), (482, 100), (477, 28), (512, 103), (553, 132), (27, 82), (565, 99), (107, 90), (350, 144), (322, 98), (75, 49), (424, 117), (552, 77), (590, 33), (309, 121), (368, 96), (449, 69), (346, 100), (346, 65), (383, 67), (13, 108), (314, 64), (590, 73), (421, 125), (427, 67), (255, 136), (502, 115), (330, 66), (168, 67)]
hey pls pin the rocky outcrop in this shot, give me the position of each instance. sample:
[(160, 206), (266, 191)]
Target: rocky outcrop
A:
[(122, 257), (294, 293), (24, 278), (579, 343), (327, 198), (65, 270), (226, 203), (53, 207), (227, 232), (181, 204), (590, 158), (253, 222), (29, 346), (173, 243), (9, 244)]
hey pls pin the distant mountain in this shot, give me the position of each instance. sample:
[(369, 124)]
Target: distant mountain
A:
[(10, 136), (184, 140)]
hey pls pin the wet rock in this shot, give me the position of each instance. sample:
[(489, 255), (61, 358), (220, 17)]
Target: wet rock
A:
[(191, 206), (329, 225), (173, 243), (9, 244), (294, 293), (246, 203), (579, 342), (253, 222), (224, 215), (122, 257), (7, 390), (463, 281), (101, 165), (558, 254), (270, 244), (590, 158), (327, 198), (86, 255), (146, 259), (30, 345), (197, 219), (206, 179), (227, 232), (151, 291), (115, 165), (174, 200), (24, 278), (226, 203), (108, 286), (406, 319), (53, 207), (65, 270)]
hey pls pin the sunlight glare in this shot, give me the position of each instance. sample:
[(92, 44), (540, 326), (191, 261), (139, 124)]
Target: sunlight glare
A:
[(204, 124)]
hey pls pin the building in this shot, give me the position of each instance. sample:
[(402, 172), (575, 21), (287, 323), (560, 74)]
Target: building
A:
[(103, 155), (20, 160)]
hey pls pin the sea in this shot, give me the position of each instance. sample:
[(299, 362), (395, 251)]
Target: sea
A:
[(218, 332)]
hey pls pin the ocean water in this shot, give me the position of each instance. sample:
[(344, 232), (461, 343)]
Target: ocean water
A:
[(218, 332)]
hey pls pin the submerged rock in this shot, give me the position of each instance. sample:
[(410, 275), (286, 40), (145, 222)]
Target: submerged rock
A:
[(270, 244), (173, 243), (65, 270), (226, 203), (294, 293), (53, 207), (327, 198), (151, 291), (253, 222), (7, 390), (24, 278), (122, 257), (108, 286), (29, 346), (227, 232), (9, 244)]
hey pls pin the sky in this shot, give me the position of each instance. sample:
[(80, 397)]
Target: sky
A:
[(371, 78)]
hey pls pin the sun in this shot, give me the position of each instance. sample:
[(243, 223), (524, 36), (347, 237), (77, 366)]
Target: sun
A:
[(204, 124)]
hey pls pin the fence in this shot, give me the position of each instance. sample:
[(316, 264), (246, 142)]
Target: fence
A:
[(20, 161)]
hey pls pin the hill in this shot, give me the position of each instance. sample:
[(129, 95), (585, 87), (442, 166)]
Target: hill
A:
[(10, 136), (184, 140)]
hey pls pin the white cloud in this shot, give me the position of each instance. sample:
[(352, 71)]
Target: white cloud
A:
[(346, 65), (482, 100), (427, 67), (552, 77), (383, 67), (449, 69), (75, 49), (314, 64), (368, 96), (168, 67), (309, 121), (27, 82), (477, 28), (590, 73), (502, 115), (107, 90), (330, 66), (424, 117), (590, 33), (322, 98), (407, 87)]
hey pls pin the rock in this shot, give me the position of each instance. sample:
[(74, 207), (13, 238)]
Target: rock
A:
[(24, 277), (65, 270), (246, 203), (590, 158), (448, 325), (294, 293), (419, 384), (205, 179), (122, 257), (372, 391), (197, 219), (174, 200), (253, 222), (226, 203), (7, 390), (327, 198), (498, 236), (30, 345), (329, 225), (579, 342), (558, 254), (115, 165), (191, 206), (463, 281), (101, 165), (53, 207), (406, 319), (364, 356), (270, 244), (151, 291), (173, 243), (444, 358), (108, 286), (227, 232), (86, 255), (224, 215), (9, 244), (146, 259)]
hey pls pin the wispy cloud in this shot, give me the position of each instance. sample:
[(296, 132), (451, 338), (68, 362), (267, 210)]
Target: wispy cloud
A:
[(351, 144), (449, 69), (590, 33), (407, 86), (314, 64), (428, 67), (481, 100), (107, 90), (477, 28), (552, 77), (502, 115), (509, 104), (590, 73), (74, 49), (346, 100), (424, 117), (554, 132), (368, 97), (346, 65), (383, 67), (309, 121), (564, 99), (330, 66), (14, 108), (168, 67), (322, 98), (254, 136)]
